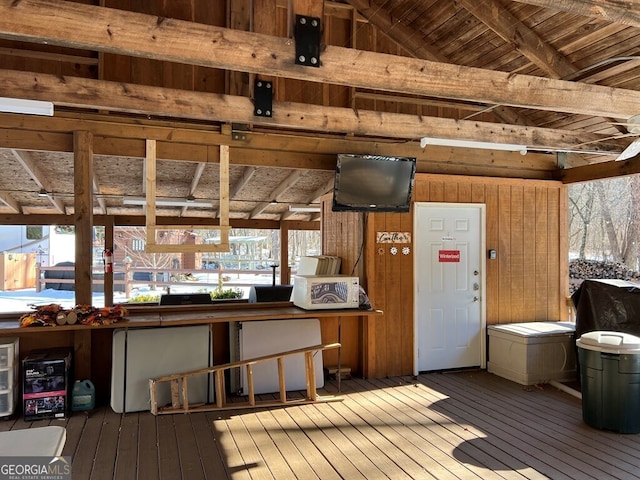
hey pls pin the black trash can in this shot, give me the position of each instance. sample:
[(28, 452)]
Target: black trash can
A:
[(610, 380)]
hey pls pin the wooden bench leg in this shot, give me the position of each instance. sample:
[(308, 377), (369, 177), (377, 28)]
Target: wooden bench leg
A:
[(282, 380), (252, 390), (311, 376)]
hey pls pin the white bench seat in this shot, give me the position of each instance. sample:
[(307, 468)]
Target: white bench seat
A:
[(37, 441)]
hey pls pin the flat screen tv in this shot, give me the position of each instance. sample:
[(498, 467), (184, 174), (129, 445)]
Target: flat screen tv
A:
[(373, 183)]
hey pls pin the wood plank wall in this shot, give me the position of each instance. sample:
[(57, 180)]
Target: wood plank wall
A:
[(342, 236), (526, 222)]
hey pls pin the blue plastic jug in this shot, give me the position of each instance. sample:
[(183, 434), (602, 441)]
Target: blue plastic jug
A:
[(83, 396)]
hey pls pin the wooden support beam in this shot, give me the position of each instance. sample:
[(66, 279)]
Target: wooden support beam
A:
[(32, 168), (599, 171), (495, 15), (128, 33), (132, 98), (614, 11), (109, 228), (83, 215)]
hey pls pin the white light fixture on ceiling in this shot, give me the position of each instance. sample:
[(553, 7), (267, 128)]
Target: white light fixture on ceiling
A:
[(29, 107), (305, 208), (450, 142), (167, 202)]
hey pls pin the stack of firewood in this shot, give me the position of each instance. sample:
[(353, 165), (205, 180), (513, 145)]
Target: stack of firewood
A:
[(581, 269)]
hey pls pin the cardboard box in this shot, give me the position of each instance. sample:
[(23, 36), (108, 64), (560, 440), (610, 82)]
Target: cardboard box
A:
[(46, 384)]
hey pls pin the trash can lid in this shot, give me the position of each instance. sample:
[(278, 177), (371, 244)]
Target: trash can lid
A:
[(610, 342)]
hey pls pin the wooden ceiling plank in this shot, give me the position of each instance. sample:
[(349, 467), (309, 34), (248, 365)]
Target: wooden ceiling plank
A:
[(179, 103), (494, 14), (626, 13), (109, 30)]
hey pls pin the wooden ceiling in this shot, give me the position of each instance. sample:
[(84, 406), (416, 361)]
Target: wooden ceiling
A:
[(561, 78)]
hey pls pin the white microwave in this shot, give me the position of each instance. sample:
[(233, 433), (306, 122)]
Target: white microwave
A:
[(318, 292)]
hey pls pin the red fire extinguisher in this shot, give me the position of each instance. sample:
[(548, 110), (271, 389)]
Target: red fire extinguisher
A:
[(107, 259)]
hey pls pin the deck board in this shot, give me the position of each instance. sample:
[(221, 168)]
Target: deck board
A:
[(127, 453), (148, 449), (457, 426)]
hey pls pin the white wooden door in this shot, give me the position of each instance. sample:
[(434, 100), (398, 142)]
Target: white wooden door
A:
[(449, 283)]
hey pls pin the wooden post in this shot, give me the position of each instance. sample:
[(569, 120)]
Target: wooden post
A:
[(38, 275), (108, 276), (83, 214)]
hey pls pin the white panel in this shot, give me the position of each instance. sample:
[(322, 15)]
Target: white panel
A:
[(462, 268), (437, 329), (462, 225), (139, 355), (436, 224), (275, 336), (462, 327)]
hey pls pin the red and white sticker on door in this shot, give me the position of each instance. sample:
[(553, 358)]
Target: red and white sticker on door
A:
[(449, 256)]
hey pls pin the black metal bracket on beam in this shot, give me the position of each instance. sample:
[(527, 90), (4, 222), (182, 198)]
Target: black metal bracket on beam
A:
[(262, 98), (307, 34)]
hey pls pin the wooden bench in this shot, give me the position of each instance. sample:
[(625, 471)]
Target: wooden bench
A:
[(180, 390)]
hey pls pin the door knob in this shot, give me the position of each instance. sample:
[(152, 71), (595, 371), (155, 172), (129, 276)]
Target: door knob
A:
[(476, 299)]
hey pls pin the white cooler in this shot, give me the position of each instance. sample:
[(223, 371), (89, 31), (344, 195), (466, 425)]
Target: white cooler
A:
[(533, 352)]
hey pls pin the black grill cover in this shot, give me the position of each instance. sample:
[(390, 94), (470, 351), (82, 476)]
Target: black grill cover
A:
[(611, 305)]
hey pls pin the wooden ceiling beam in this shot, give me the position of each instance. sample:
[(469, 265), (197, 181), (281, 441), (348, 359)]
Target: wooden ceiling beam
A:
[(599, 171), (495, 15), (279, 190), (614, 11), (10, 202), (412, 42), (98, 94), (405, 37), (128, 33), (195, 180)]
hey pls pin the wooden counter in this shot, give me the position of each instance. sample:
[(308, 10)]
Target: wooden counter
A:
[(163, 316), (172, 316)]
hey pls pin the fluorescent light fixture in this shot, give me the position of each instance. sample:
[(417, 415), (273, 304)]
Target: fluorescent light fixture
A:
[(304, 208), (43, 193), (450, 142), (29, 107), (167, 202)]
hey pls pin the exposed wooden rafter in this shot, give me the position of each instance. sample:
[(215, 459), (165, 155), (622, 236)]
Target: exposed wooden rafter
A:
[(279, 190), (624, 12), (38, 177), (132, 98), (116, 31), (495, 15)]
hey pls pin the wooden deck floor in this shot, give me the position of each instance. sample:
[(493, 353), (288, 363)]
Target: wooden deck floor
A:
[(469, 425)]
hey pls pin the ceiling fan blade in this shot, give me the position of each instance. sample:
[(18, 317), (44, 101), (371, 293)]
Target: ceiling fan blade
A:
[(631, 151)]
